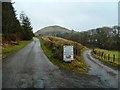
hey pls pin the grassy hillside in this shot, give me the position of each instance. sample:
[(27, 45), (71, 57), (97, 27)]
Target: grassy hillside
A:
[(52, 30), (53, 48)]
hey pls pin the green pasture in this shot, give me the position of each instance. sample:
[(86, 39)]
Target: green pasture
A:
[(114, 56)]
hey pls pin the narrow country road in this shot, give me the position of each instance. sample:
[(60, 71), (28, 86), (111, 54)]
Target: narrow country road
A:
[(30, 68), (108, 75)]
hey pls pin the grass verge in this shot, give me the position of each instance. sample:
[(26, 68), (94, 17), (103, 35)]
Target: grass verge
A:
[(12, 49), (114, 64), (76, 65)]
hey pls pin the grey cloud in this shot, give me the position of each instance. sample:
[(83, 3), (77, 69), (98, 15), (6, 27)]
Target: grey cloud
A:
[(78, 16)]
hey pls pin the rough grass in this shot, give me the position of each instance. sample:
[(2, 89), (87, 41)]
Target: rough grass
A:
[(78, 65), (6, 51), (115, 63), (61, 41)]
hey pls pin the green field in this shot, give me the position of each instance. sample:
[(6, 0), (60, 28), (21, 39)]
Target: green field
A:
[(6, 51), (78, 65), (114, 62)]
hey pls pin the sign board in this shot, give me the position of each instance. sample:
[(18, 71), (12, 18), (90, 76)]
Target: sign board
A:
[(68, 54)]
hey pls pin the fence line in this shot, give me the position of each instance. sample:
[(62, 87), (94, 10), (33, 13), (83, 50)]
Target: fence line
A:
[(105, 56)]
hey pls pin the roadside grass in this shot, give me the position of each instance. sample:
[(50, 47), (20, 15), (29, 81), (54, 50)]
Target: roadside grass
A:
[(6, 51), (77, 65), (115, 63)]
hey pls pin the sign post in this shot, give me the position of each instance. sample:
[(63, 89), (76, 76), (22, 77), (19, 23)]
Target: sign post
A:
[(68, 54)]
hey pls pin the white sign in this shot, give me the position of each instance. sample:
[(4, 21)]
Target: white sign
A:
[(68, 54)]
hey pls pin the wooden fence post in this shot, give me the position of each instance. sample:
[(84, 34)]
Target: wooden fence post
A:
[(104, 56), (108, 56), (113, 57)]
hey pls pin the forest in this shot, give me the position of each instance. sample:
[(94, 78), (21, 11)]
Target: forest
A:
[(12, 28)]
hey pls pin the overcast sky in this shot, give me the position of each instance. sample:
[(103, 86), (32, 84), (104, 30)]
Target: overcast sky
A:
[(75, 15)]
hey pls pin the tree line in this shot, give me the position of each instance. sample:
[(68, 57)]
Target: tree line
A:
[(104, 37), (12, 28)]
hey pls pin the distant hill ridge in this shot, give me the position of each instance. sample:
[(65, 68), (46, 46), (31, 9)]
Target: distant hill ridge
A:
[(53, 30)]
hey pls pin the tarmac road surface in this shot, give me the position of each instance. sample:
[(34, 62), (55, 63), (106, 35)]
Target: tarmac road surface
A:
[(30, 68)]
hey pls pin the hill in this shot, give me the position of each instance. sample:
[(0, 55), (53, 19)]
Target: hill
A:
[(53, 30)]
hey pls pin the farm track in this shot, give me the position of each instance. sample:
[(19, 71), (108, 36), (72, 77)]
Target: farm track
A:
[(108, 75)]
